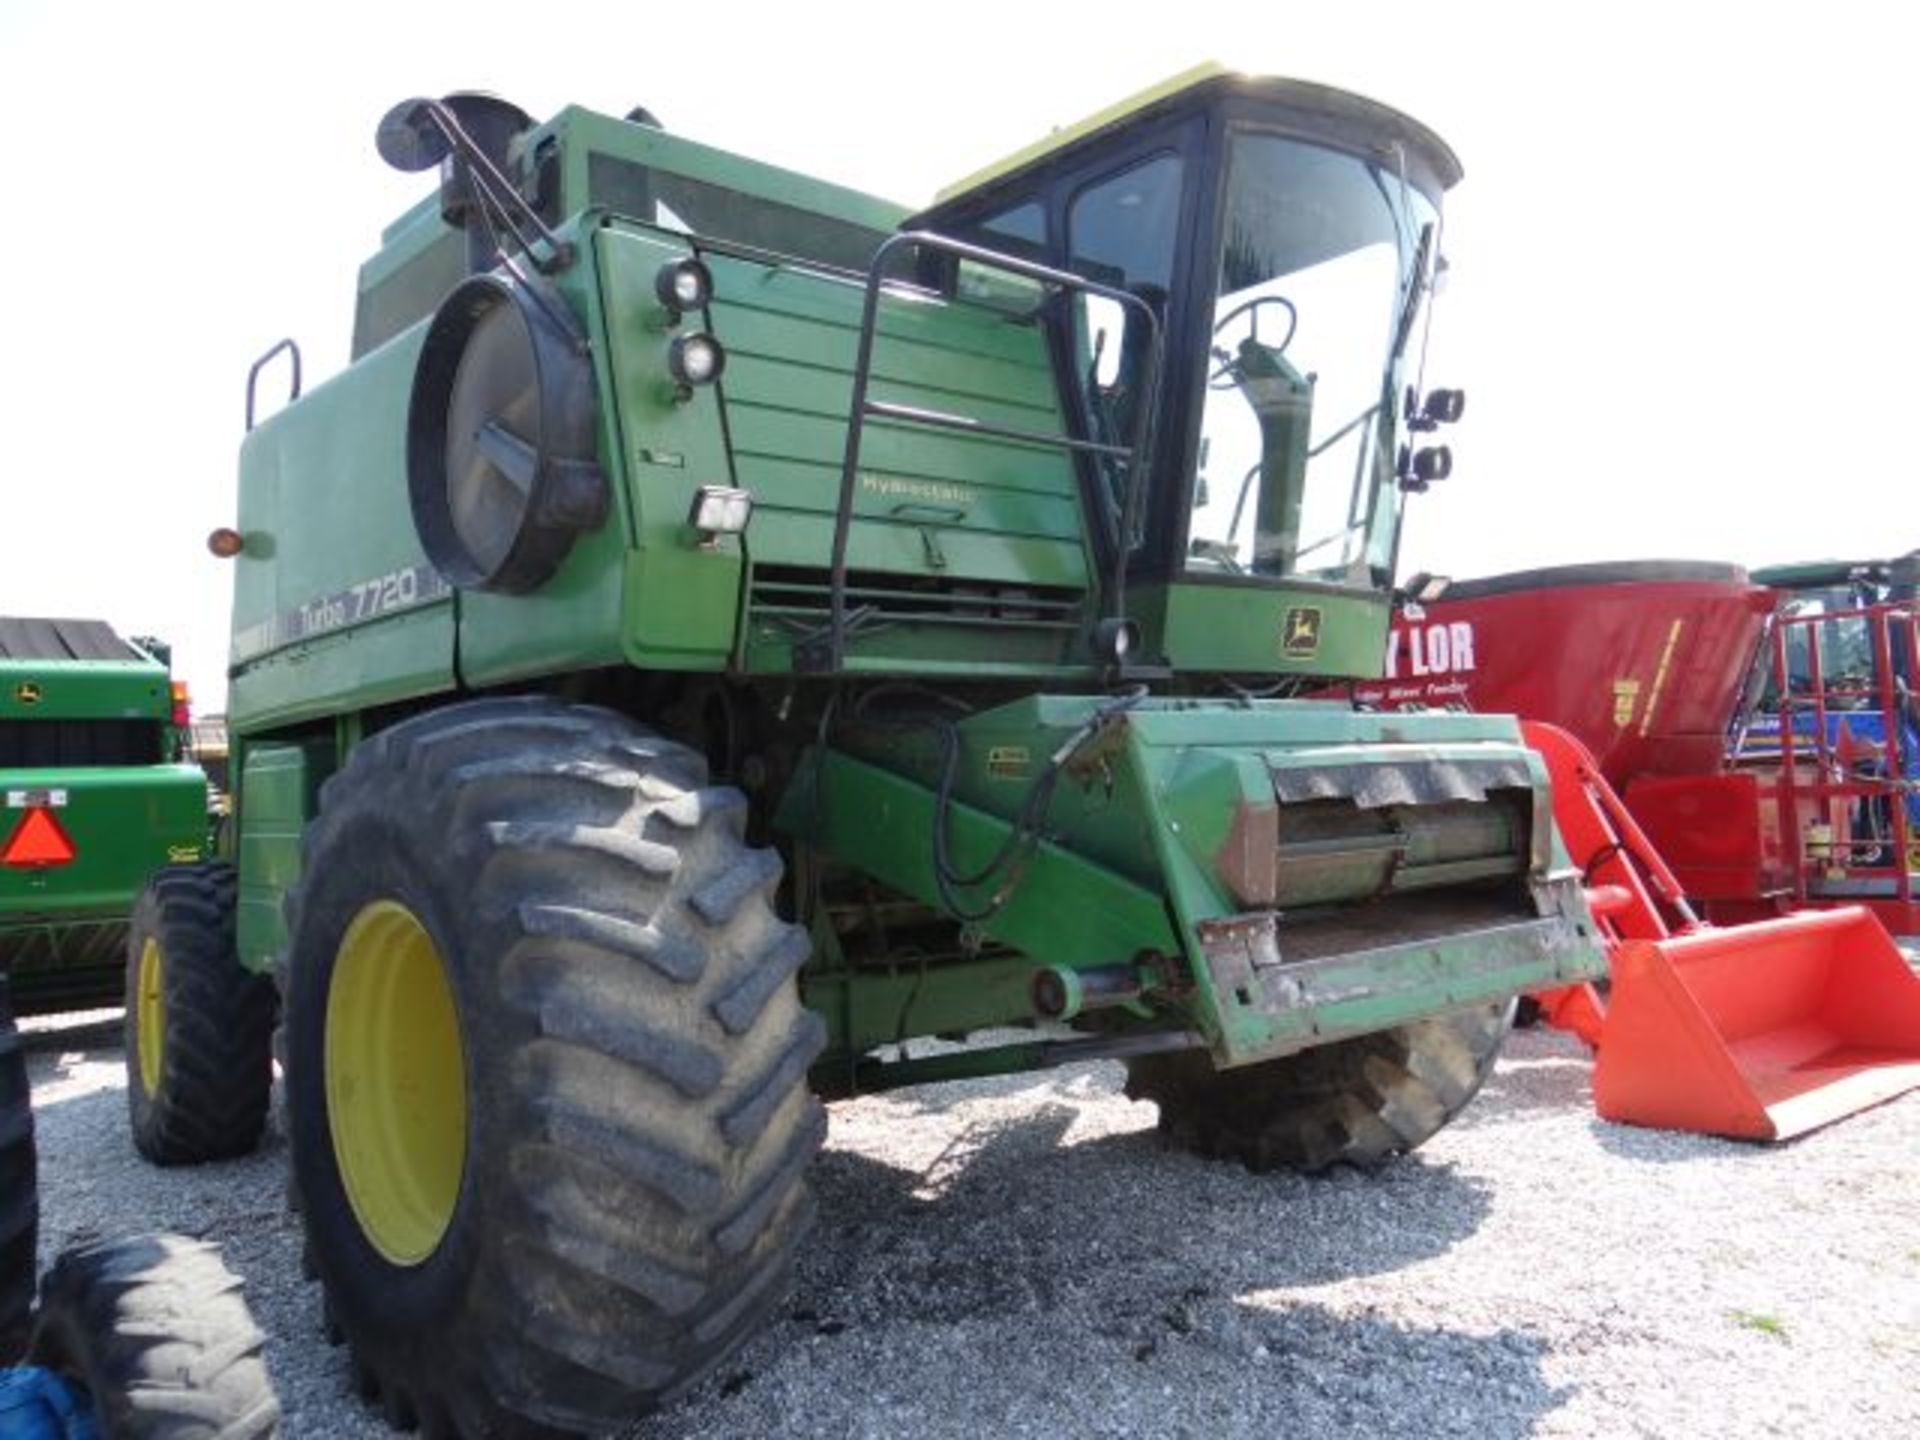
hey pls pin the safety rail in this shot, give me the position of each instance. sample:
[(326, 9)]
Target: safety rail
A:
[(1841, 857), (291, 350), (862, 408)]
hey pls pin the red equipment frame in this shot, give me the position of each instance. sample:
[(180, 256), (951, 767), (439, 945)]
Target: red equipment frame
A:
[(1886, 889)]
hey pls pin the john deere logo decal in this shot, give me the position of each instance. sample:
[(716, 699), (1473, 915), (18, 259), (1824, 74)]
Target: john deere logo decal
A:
[(27, 693), (1300, 636)]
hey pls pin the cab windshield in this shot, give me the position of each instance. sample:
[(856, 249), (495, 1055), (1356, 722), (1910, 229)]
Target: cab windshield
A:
[(1319, 260)]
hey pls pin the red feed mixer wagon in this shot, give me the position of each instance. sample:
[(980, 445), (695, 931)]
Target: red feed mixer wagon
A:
[(1727, 837), (1644, 662)]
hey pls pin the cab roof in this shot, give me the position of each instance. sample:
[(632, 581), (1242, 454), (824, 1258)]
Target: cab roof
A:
[(1204, 82)]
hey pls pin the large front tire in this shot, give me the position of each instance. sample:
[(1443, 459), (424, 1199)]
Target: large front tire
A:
[(538, 931), (1355, 1102), (199, 1029), (19, 1192)]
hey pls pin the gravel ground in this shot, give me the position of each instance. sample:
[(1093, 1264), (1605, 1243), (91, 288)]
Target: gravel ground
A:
[(1020, 1257)]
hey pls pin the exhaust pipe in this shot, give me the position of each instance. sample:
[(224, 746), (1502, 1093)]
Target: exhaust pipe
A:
[(408, 140)]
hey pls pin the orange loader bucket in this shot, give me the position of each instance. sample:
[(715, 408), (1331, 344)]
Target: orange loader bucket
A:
[(1762, 1031), (1759, 1032)]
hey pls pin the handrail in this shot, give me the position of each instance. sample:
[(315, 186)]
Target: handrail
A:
[(287, 347), (861, 408)]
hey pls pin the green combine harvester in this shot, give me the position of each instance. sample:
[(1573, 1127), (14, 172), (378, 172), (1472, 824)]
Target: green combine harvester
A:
[(725, 641), (95, 795)]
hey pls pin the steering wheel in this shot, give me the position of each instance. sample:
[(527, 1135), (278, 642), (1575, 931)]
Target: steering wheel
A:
[(1229, 362)]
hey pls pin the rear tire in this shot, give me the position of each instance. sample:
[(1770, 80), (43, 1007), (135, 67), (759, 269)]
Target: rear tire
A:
[(19, 1192), (631, 1067), (157, 1333), (199, 1028), (1355, 1102)]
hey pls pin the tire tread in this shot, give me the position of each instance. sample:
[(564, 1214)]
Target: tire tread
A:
[(1357, 1102), (158, 1331), (645, 1192), (216, 1077), (19, 1189)]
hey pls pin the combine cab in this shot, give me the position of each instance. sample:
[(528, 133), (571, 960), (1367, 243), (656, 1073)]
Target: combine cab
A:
[(1683, 798), (94, 797)]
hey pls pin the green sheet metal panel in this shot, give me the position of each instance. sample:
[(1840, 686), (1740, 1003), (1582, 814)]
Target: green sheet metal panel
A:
[(420, 257), (334, 604), (791, 337), (1269, 628), (584, 134), (902, 547), (124, 822), (1075, 912), (679, 607), (38, 690), (279, 785)]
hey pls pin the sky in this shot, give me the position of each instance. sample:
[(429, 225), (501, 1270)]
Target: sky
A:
[(1682, 298)]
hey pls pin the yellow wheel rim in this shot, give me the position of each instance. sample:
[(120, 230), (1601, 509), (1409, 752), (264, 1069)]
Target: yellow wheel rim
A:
[(396, 1082), (150, 1015)]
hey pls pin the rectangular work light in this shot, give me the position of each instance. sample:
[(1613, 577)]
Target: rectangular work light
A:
[(719, 510)]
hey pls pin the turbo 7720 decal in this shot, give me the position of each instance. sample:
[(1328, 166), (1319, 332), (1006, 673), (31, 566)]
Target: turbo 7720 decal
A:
[(388, 594)]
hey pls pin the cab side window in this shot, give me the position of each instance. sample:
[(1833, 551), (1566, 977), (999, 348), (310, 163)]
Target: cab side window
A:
[(1020, 232), (1121, 232)]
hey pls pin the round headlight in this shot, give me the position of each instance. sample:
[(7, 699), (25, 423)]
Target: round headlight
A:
[(696, 359), (687, 289), (683, 285)]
